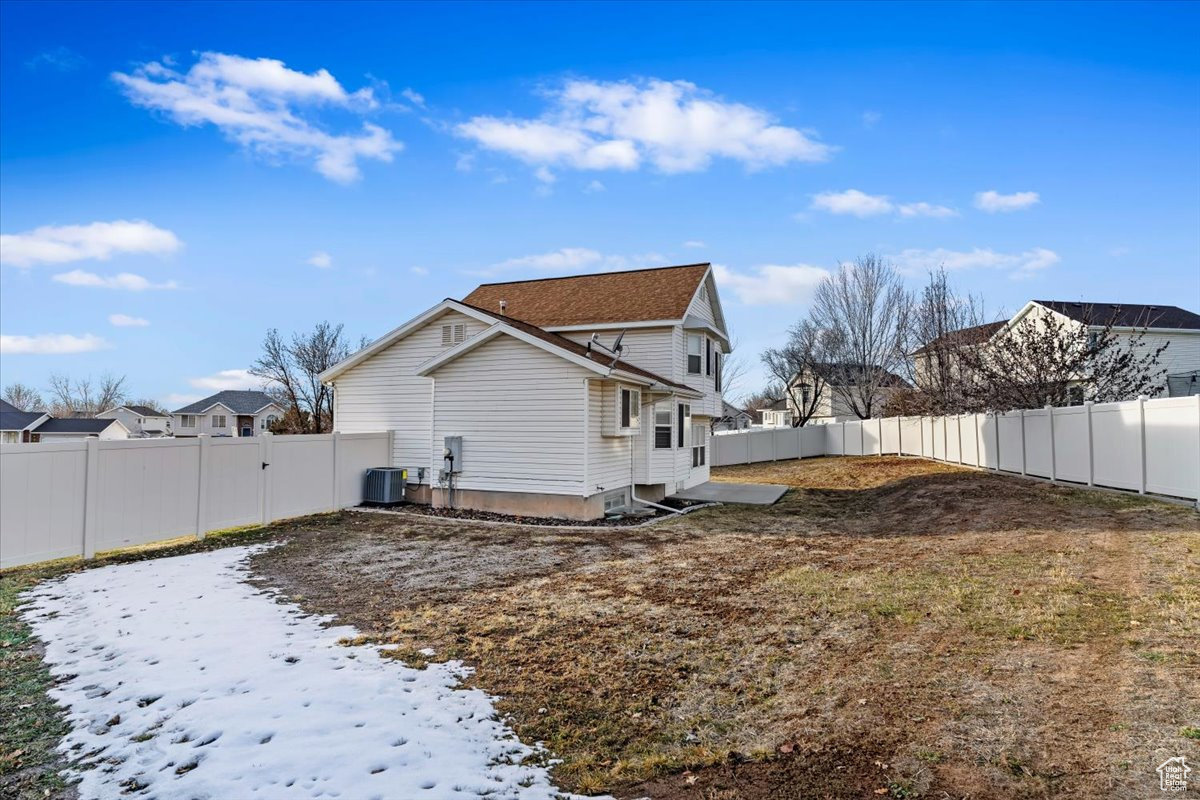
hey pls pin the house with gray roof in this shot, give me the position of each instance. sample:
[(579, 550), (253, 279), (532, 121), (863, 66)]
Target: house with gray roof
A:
[(228, 413), (75, 428), (143, 422), (17, 425)]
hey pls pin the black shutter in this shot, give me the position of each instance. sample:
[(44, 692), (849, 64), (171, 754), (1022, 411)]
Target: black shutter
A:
[(679, 425), (624, 408), (708, 356)]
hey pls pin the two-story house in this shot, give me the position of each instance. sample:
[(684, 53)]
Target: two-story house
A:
[(525, 385), (142, 422), (227, 413)]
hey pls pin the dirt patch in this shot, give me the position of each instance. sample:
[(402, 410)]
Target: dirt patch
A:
[(891, 626), (614, 521)]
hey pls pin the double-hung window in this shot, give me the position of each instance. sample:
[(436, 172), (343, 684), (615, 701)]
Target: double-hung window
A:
[(187, 420), (695, 353), (631, 403), (218, 420), (683, 423), (662, 428), (699, 456)]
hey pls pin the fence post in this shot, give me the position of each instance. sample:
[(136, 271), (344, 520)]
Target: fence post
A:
[(337, 472), (264, 481), (1023, 458), (774, 444), (1087, 404), (899, 436), (1053, 464), (843, 438), (879, 436), (91, 496), (203, 455), (1141, 401), (996, 415)]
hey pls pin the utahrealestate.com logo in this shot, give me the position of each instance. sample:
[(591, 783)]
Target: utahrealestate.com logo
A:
[(1173, 774)]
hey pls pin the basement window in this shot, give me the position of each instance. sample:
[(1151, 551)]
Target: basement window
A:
[(615, 501)]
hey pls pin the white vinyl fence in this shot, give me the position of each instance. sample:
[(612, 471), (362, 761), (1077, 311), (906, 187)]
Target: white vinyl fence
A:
[(1141, 445), (75, 498)]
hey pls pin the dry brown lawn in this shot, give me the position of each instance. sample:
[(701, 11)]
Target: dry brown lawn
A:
[(892, 627)]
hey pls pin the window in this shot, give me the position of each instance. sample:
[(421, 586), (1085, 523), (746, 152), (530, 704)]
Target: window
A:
[(187, 420), (662, 429), (454, 333), (699, 456), (218, 420), (695, 353), (631, 402), (704, 293), (267, 422), (685, 420), (615, 501)]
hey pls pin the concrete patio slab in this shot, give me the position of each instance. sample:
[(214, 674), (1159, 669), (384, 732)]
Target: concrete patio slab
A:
[(754, 494)]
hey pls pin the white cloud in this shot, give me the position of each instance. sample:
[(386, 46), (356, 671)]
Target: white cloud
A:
[(50, 344), (694, 243), (126, 281), (62, 59), (228, 379), (572, 259), (993, 202), (544, 175), (321, 260), (675, 126), (126, 321), (862, 205), (771, 284), (62, 244), (419, 270), (594, 187), (265, 107), (413, 97), (1020, 265), (1120, 252), (870, 119)]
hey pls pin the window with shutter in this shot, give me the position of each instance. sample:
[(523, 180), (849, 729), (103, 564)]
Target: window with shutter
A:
[(695, 353)]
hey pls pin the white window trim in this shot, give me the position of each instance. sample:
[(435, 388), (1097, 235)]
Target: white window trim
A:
[(183, 420), (224, 421), (698, 355), (635, 409), (669, 425)]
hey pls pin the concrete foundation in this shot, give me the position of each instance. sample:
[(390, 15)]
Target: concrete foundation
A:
[(526, 504)]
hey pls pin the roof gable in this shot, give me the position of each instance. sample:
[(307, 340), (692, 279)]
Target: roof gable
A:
[(237, 401), (642, 295), (1125, 315)]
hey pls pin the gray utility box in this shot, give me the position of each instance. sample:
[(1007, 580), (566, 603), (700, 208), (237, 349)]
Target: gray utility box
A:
[(452, 455)]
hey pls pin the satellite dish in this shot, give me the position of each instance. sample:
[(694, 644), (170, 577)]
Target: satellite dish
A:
[(616, 348)]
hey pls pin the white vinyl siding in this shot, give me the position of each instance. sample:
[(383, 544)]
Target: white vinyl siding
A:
[(609, 458), (648, 348), (187, 421), (519, 411), (383, 393)]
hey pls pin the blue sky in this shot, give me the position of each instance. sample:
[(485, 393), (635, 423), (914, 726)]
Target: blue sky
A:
[(177, 179)]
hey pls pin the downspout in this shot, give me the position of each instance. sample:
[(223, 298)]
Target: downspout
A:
[(633, 486)]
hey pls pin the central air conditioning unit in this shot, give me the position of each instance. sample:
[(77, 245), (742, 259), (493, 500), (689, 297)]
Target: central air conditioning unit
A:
[(384, 486)]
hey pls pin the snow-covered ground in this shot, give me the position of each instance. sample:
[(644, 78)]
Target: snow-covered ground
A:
[(185, 680)]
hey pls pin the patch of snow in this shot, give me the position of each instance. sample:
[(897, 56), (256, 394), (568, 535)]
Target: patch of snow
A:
[(183, 681)]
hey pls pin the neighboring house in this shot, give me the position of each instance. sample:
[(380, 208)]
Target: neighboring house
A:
[(1176, 327), (228, 413), (550, 423), (776, 415), (832, 405), (928, 364), (142, 422), (732, 419), (75, 428), (17, 425)]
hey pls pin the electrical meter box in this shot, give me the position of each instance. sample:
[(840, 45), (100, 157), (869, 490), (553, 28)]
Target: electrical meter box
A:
[(452, 455)]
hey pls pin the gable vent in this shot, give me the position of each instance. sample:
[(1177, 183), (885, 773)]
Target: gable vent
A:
[(454, 333)]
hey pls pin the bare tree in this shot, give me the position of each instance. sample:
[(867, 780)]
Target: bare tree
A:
[(799, 370), (26, 398), (939, 325), (761, 399), (292, 369), (862, 308), (82, 397), (153, 405), (1046, 359)]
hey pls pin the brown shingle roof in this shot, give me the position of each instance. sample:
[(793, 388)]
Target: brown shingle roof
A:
[(579, 349), (605, 297), (965, 336)]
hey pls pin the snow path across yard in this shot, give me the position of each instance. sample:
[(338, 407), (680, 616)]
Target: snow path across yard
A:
[(184, 681)]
